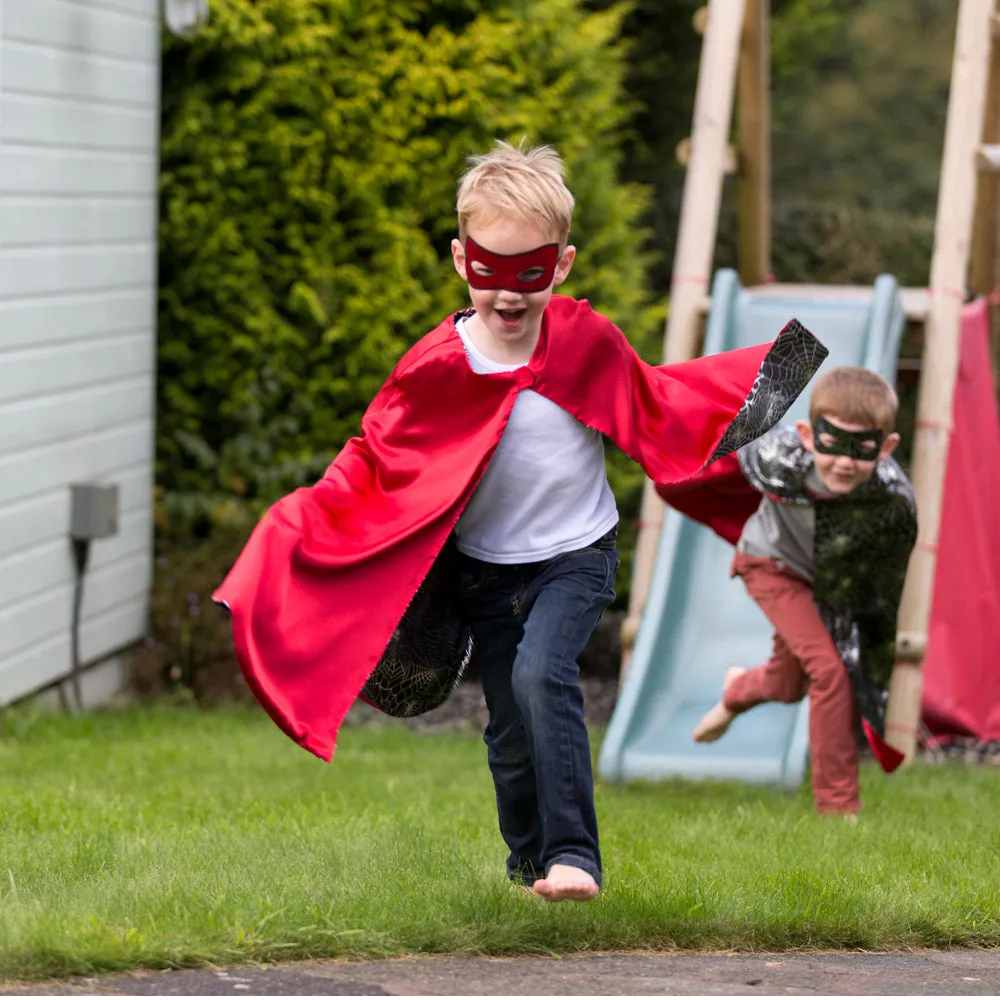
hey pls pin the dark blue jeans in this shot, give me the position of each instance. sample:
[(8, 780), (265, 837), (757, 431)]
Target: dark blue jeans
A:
[(530, 623)]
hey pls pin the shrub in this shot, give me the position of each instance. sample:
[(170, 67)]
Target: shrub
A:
[(309, 158)]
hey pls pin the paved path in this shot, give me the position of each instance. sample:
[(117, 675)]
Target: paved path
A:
[(952, 973)]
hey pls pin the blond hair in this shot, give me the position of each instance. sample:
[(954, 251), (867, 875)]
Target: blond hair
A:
[(856, 396), (514, 181)]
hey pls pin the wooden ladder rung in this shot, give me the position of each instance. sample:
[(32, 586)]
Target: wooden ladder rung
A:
[(988, 159)]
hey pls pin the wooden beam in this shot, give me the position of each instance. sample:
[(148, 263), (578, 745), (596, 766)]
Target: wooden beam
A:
[(731, 164), (713, 113), (988, 159), (754, 117), (984, 273), (702, 195), (942, 340)]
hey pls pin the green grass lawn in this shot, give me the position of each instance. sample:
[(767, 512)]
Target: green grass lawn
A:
[(164, 836)]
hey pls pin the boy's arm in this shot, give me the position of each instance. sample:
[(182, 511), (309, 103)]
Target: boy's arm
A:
[(776, 463), (727, 492)]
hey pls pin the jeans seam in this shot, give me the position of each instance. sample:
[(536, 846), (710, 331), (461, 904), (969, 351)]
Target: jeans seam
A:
[(566, 740)]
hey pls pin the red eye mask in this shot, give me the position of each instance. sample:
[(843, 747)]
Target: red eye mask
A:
[(531, 271)]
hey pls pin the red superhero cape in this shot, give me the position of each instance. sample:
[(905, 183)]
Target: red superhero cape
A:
[(328, 573)]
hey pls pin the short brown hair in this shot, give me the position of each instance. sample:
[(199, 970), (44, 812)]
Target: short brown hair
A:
[(856, 396), (514, 180)]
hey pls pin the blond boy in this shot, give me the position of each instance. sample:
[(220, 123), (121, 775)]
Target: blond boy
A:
[(488, 437)]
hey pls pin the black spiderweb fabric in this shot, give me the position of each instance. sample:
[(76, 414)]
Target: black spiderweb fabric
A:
[(429, 650), (785, 372)]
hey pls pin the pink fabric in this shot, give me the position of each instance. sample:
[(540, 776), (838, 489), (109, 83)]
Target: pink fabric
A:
[(961, 692)]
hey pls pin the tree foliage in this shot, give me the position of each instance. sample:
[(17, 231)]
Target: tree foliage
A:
[(859, 95)]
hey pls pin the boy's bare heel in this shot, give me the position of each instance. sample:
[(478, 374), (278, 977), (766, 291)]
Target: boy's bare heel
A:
[(718, 718)]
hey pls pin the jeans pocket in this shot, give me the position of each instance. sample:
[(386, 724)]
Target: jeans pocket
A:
[(613, 563), (608, 542)]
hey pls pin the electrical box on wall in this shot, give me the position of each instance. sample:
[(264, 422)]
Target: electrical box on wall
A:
[(93, 510)]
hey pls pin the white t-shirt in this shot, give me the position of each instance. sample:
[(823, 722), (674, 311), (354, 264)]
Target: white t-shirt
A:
[(545, 491)]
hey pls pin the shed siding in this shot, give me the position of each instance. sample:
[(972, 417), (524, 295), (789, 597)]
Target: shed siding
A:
[(79, 120)]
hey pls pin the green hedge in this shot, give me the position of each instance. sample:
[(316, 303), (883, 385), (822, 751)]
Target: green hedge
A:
[(309, 158)]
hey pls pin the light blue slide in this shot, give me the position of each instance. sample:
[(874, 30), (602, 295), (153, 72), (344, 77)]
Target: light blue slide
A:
[(698, 622)]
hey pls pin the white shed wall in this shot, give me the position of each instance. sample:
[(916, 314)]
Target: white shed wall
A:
[(79, 122)]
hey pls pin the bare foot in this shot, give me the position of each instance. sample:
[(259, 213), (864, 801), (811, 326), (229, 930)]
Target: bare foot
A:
[(718, 718), (566, 882)]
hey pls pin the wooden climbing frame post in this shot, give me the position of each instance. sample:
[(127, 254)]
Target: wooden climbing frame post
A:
[(985, 271), (953, 228), (706, 168), (753, 115)]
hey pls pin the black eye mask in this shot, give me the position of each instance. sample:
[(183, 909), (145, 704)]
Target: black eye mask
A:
[(863, 446)]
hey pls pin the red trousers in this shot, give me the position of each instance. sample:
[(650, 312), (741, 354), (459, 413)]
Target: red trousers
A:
[(804, 661)]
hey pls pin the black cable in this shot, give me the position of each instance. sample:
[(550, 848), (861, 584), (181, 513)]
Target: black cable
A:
[(81, 553)]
